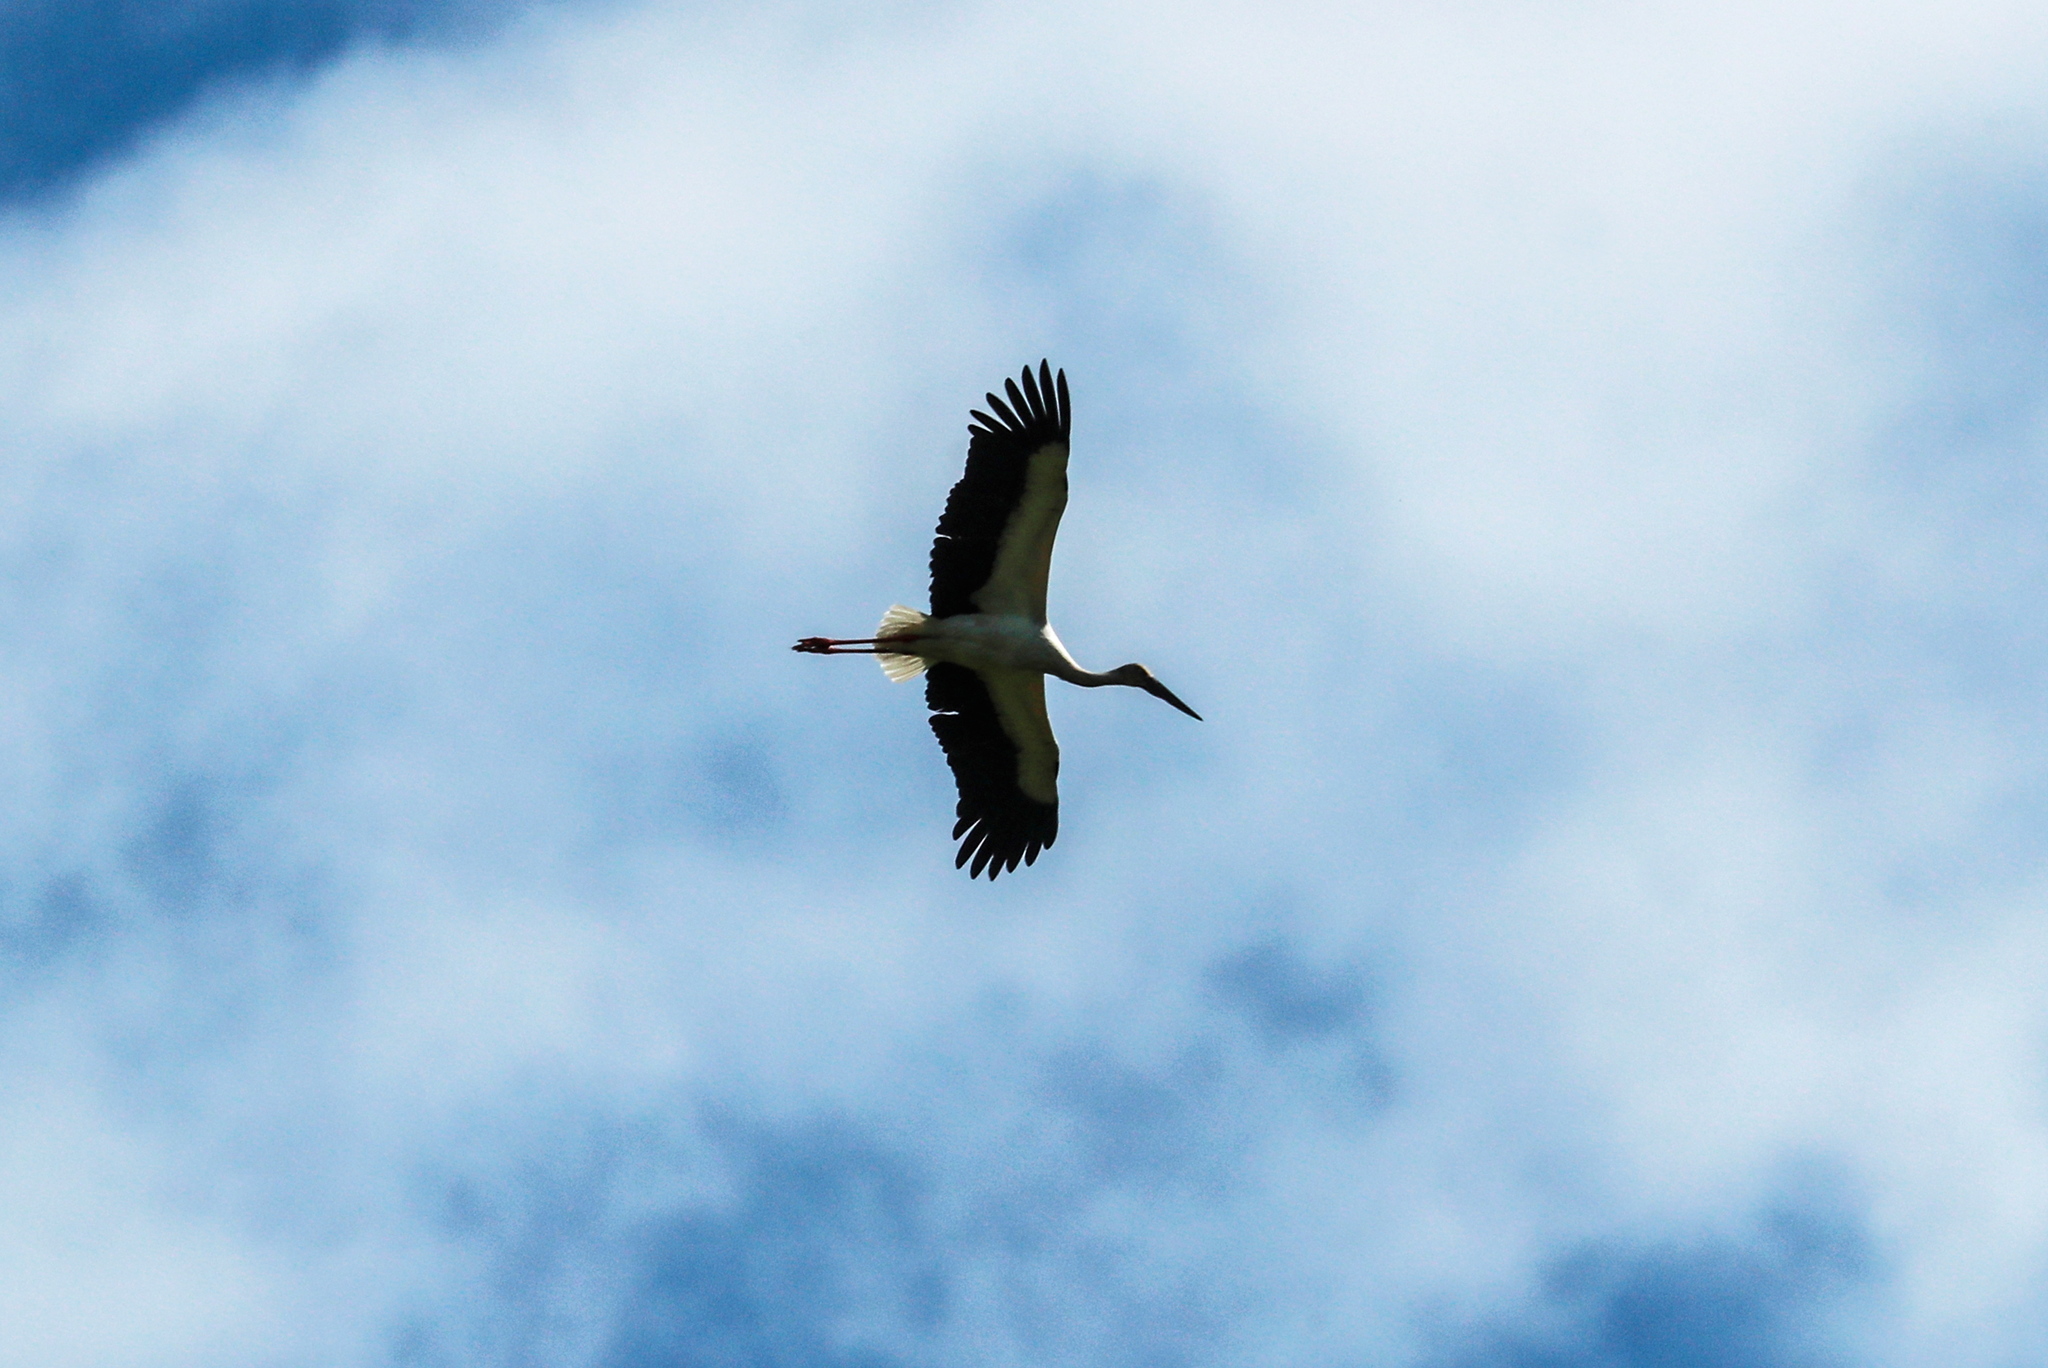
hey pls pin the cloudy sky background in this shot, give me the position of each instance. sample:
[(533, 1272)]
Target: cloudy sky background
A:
[(1585, 462)]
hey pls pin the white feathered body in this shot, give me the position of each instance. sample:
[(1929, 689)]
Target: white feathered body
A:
[(979, 641)]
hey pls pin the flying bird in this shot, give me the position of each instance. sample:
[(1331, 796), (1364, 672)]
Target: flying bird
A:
[(985, 648)]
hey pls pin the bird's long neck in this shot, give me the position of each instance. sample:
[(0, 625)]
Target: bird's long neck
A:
[(1065, 667), (1087, 679)]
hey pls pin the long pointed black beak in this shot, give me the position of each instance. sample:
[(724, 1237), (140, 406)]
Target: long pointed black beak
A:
[(1158, 690)]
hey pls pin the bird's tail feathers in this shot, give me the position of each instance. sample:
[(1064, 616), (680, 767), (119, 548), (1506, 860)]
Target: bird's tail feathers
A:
[(900, 621)]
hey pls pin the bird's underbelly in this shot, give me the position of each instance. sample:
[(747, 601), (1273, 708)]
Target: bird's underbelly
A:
[(990, 641)]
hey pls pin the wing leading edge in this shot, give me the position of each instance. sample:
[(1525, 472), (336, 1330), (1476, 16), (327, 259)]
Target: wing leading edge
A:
[(1005, 762)]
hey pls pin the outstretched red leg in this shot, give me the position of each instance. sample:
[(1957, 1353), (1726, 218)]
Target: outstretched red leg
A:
[(850, 645)]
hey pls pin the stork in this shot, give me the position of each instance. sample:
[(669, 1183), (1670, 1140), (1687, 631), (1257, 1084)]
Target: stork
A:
[(985, 648)]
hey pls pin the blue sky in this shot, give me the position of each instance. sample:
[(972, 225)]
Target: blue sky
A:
[(1585, 464)]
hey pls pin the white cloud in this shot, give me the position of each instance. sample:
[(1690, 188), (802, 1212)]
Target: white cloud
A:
[(420, 473)]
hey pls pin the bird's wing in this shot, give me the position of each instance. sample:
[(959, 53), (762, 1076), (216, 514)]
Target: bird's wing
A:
[(994, 547), (1005, 762)]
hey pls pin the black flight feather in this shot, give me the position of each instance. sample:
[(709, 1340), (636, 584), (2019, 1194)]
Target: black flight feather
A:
[(1004, 411)]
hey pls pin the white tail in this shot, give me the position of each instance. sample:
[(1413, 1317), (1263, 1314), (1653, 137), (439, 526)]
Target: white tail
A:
[(900, 621)]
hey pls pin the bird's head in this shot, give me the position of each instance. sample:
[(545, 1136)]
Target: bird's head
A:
[(1138, 677)]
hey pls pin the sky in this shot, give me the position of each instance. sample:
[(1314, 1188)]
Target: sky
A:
[(1585, 462)]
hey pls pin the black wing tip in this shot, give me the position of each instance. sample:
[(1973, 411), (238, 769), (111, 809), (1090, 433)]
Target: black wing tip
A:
[(1040, 401), (1049, 396), (991, 855)]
